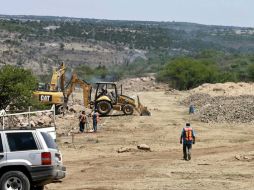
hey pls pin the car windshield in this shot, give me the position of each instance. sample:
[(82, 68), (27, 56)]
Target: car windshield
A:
[(49, 141)]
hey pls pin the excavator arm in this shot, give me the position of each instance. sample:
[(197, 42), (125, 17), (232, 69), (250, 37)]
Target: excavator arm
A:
[(58, 76), (84, 85)]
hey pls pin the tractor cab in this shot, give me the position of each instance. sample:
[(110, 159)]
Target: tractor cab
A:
[(43, 87), (107, 89), (108, 98)]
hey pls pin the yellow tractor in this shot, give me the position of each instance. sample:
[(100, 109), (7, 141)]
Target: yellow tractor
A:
[(106, 98)]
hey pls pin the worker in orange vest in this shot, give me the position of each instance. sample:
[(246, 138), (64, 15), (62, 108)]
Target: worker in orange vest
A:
[(187, 139)]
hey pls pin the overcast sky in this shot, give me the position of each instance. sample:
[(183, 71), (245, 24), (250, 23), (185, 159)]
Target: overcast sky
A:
[(216, 12)]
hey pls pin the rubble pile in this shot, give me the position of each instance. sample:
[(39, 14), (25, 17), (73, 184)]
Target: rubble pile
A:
[(245, 157), (230, 109), (36, 120)]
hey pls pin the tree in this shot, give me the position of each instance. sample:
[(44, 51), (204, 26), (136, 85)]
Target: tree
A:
[(101, 71), (16, 87), (186, 73)]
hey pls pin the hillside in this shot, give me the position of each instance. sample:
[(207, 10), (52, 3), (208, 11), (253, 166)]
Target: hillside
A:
[(40, 43)]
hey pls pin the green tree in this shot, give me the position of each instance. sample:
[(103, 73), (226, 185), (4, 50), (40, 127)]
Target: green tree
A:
[(101, 71), (16, 87), (186, 73), (250, 71)]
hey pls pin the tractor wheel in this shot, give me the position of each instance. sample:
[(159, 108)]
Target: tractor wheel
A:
[(59, 109), (128, 109), (104, 107)]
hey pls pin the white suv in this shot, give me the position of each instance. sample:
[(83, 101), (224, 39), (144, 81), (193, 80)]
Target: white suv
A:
[(29, 159)]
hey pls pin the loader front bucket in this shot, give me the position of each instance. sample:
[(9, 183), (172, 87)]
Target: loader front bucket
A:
[(143, 111)]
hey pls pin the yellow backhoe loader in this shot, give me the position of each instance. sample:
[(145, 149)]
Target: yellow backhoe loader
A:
[(106, 98)]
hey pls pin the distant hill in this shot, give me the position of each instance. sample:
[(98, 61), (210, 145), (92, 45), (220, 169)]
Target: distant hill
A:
[(41, 42)]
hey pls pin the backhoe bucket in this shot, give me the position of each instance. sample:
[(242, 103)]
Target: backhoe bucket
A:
[(143, 111)]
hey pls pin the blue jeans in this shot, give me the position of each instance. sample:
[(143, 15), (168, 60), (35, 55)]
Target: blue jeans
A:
[(94, 126)]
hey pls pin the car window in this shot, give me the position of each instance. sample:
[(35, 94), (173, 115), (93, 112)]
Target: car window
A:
[(1, 145), (49, 140), (21, 141)]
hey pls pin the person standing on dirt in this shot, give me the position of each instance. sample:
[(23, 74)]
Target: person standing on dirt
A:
[(82, 121), (95, 117), (191, 109), (187, 139)]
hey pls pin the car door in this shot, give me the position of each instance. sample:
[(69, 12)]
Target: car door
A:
[(22, 148), (2, 151)]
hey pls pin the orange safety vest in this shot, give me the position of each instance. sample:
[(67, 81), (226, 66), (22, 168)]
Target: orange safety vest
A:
[(188, 134)]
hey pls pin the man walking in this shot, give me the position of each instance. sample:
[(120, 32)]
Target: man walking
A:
[(187, 139)]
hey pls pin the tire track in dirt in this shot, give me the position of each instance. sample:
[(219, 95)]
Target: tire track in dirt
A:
[(173, 154)]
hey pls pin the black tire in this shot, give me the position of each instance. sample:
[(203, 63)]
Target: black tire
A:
[(128, 109), (104, 107), (14, 180), (38, 187), (59, 109)]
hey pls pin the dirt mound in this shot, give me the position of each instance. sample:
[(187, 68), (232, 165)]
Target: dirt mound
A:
[(225, 89), (230, 109), (223, 102), (142, 84)]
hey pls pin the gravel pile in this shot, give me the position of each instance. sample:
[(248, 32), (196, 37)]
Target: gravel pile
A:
[(234, 109)]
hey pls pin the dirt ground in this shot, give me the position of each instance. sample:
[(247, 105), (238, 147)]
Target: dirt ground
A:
[(222, 158)]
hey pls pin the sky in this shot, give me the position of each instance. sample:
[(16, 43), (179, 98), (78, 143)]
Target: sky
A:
[(210, 12)]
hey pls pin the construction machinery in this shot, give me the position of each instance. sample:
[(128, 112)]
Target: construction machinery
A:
[(52, 93), (107, 97)]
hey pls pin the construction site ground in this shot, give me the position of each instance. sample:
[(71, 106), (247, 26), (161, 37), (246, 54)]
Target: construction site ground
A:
[(222, 158)]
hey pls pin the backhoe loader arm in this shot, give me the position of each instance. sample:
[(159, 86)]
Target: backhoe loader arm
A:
[(84, 85)]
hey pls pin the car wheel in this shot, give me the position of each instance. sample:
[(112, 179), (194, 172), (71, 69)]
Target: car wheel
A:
[(14, 180), (104, 107), (128, 109)]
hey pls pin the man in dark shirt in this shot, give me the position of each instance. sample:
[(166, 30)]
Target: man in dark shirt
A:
[(187, 139)]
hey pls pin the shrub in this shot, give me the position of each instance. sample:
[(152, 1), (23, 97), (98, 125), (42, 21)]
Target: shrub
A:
[(16, 87), (186, 73)]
